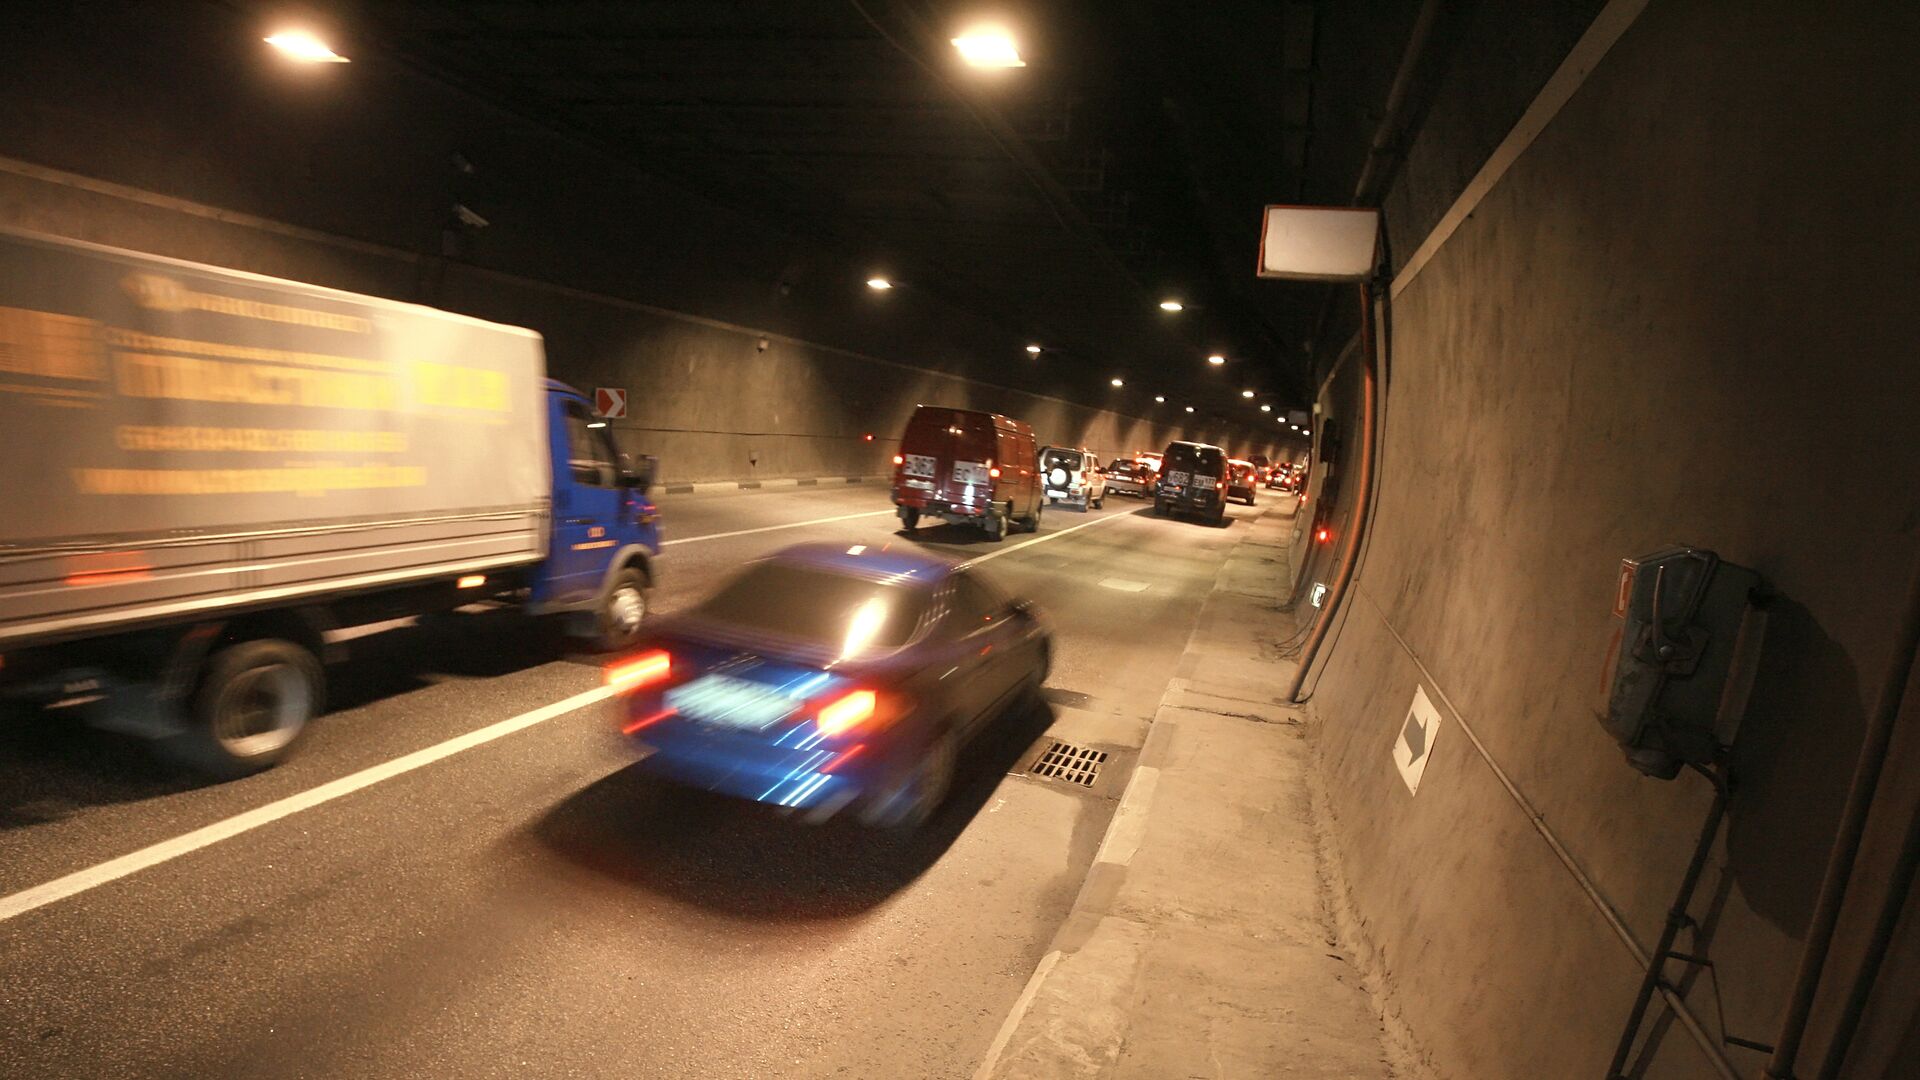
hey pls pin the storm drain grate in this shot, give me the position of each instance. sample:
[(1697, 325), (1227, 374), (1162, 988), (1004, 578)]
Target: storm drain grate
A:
[(1074, 764)]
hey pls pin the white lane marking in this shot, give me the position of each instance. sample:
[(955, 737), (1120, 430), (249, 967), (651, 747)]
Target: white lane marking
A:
[(1019, 1013), (1123, 584), (773, 528), (1043, 539), (132, 863)]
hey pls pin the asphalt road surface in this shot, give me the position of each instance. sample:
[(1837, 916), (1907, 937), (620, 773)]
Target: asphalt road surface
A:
[(527, 905)]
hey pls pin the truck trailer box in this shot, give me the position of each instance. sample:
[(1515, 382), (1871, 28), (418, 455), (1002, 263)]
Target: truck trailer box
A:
[(182, 440)]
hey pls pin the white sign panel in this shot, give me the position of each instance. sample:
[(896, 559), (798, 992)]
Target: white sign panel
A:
[(609, 403), (1318, 243), (1413, 747)]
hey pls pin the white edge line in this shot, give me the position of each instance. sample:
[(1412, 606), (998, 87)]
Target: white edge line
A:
[(133, 862), (1586, 54), (773, 528), (1018, 1013)]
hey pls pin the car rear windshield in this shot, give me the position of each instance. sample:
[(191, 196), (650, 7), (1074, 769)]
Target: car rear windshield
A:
[(1206, 460), (1060, 459), (817, 606)]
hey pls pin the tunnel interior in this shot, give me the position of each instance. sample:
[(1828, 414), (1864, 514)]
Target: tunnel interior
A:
[(1639, 279)]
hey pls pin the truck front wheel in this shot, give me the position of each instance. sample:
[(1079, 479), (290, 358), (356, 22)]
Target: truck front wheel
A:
[(622, 610), (252, 705)]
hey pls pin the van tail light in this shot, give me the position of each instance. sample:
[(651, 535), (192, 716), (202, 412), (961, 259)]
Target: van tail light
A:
[(641, 671), (899, 459), (994, 472)]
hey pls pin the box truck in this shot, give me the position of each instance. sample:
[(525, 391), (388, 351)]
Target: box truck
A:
[(208, 474)]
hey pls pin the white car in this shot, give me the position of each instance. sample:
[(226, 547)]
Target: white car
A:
[(1073, 475)]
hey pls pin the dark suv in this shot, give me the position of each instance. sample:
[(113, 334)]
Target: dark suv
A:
[(1193, 480)]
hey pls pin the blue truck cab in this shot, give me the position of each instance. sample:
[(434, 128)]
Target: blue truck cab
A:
[(605, 533)]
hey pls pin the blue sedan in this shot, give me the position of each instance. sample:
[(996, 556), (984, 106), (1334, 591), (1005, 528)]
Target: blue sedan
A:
[(827, 676)]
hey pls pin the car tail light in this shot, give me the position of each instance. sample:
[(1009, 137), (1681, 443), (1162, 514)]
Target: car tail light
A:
[(994, 472), (846, 712), (643, 670), (1221, 486)]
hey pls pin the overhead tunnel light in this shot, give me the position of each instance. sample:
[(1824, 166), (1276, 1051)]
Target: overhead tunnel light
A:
[(1033, 350), (1216, 359), (1172, 305), (988, 48), (304, 47), (1189, 408), (1246, 393), (1160, 399), (879, 284), (1118, 381), (1266, 408)]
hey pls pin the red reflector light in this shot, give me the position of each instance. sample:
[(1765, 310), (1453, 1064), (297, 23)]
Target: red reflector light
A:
[(868, 436), (845, 713), (898, 460), (1323, 534), (643, 670)]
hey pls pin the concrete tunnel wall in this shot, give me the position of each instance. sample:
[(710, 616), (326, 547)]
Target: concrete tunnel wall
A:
[(343, 177), (1678, 317)]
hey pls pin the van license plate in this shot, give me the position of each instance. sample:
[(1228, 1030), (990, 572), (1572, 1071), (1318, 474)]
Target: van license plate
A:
[(970, 472), (920, 485), (917, 465)]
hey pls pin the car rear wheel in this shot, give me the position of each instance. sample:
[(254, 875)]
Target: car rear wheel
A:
[(919, 794)]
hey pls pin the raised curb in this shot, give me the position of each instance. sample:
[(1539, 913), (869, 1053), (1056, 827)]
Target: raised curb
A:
[(708, 486)]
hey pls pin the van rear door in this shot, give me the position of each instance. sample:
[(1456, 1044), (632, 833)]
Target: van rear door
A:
[(944, 458)]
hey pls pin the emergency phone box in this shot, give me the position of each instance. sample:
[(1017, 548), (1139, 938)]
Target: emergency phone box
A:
[(1677, 615)]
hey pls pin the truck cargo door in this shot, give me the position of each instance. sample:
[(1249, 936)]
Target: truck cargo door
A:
[(586, 504)]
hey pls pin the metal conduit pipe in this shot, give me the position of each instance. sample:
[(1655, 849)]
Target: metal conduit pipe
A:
[(1891, 907), (1846, 841)]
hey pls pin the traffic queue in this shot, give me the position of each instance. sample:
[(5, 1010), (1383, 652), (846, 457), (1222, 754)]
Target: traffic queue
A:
[(833, 677)]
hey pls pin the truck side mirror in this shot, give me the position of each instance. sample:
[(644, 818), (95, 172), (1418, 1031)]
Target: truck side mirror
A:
[(638, 474)]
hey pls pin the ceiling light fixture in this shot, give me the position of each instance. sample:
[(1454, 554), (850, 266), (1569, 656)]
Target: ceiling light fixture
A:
[(1216, 359), (1118, 381), (1266, 408), (304, 47), (1160, 399), (1033, 350), (879, 284), (1189, 408), (1172, 305), (988, 47), (1246, 393)]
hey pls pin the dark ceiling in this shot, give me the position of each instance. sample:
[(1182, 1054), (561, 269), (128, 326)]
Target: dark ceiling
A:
[(1063, 200)]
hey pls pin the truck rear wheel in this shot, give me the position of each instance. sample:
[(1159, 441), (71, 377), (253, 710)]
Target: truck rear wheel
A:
[(909, 518), (252, 705)]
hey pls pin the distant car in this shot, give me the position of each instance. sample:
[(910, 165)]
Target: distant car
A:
[(1193, 480), (1241, 480), (1152, 460), (1285, 479), (1073, 475), (968, 468), (1262, 467), (829, 677), (1128, 477)]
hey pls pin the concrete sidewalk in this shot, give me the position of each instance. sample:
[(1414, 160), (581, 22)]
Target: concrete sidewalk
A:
[(1200, 944)]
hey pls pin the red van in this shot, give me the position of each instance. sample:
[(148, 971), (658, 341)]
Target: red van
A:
[(968, 468)]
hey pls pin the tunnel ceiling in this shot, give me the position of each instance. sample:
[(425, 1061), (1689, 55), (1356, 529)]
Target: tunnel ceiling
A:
[(1125, 164)]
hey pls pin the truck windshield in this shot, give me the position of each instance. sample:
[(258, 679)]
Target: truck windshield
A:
[(819, 607)]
